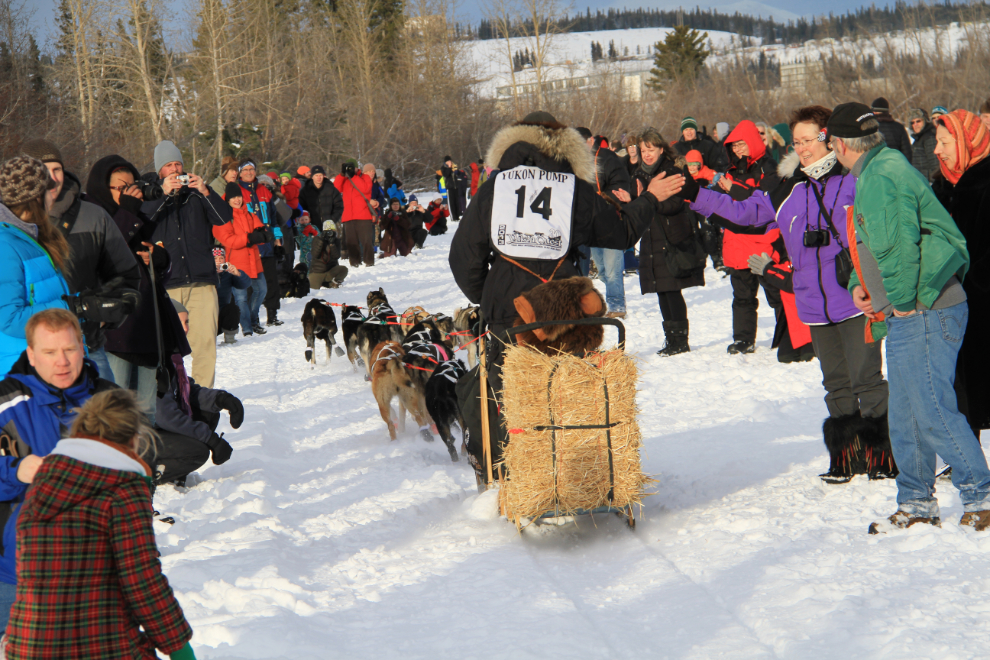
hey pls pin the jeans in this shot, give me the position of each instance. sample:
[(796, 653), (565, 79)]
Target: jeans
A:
[(142, 380), (610, 269), (249, 310), (99, 356), (584, 260), (923, 414), (8, 594)]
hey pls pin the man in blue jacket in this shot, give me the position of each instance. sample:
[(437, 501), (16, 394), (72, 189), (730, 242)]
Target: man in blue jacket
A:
[(37, 399)]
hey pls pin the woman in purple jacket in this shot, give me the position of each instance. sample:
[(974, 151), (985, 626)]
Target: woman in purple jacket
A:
[(809, 206)]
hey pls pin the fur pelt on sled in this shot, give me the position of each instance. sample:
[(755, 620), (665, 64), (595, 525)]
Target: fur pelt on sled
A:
[(561, 300)]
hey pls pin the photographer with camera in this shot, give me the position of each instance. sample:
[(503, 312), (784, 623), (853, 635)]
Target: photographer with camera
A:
[(418, 217), (359, 213), (184, 218), (260, 201), (101, 268), (325, 269), (133, 348)]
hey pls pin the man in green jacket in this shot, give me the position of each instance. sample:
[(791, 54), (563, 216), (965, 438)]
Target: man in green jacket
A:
[(912, 259)]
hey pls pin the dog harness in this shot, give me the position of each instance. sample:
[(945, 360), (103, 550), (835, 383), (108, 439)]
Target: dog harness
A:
[(392, 354), (354, 315), (451, 370)]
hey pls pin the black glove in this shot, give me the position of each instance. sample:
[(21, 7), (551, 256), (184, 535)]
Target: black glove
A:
[(691, 188), (230, 403), (279, 253), (220, 449), (257, 237)]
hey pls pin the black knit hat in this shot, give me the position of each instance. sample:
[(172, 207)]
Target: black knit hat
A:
[(43, 150), (318, 169), (232, 190), (881, 104), (848, 120)]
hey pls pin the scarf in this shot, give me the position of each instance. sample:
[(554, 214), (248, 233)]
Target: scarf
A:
[(183, 387), (972, 142), (819, 169)]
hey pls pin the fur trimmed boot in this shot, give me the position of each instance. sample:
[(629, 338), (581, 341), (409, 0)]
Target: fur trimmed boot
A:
[(677, 339), (875, 438), (845, 449)]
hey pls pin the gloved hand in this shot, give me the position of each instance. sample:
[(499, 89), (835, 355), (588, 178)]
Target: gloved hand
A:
[(279, 253), (758, 263), (233, 406), (257, 237), (220, 449), (691, 187)]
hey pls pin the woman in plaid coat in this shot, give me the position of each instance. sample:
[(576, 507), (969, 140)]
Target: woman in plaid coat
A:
[(88, 573)]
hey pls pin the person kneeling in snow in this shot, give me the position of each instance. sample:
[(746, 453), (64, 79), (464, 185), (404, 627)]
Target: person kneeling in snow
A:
[(90, 582), (186, 417)]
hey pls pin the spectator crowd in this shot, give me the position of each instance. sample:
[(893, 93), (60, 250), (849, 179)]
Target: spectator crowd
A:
[(856, 227)]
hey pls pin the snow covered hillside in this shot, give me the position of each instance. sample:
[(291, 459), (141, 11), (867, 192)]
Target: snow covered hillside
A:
[(570, 55), (321, 539)]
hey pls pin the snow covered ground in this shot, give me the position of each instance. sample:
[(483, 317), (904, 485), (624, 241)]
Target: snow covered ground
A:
[(320, 538)]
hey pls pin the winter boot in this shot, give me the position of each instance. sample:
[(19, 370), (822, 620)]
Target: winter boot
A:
[(230, 336), (273, 318), (875, 439), (677, 339), (978, 520), (258, 330), (845, 449), (903, 520), (741, 347)]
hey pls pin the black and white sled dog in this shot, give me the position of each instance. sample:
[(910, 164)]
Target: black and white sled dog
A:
[(441, 403), (351, 321), (466, 322), (380, 325), (319, 322)]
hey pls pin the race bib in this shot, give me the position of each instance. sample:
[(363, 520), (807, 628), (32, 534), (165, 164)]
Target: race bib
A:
[(531, 213)]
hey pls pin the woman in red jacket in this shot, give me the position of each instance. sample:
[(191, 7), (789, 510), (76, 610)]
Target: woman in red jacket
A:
[(241, 238), (89, 582)]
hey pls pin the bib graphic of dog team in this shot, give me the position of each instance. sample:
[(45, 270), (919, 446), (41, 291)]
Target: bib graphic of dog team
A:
[(531, 213)]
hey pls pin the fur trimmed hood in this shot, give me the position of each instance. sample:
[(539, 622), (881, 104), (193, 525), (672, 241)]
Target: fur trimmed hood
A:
[(789, 164), (562, 150)]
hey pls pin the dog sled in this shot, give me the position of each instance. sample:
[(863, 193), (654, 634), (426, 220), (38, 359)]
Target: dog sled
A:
[(573, 439)]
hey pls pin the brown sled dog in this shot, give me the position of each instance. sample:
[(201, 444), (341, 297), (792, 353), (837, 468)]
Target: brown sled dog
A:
[(388, 380)]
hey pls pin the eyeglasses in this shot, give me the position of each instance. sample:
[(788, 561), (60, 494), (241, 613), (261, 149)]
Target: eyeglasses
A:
[(123, 187), (803, 144)]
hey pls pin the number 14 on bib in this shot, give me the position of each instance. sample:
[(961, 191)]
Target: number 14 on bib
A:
[(532, 213)]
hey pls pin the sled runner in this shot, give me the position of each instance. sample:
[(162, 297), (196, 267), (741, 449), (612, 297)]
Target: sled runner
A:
[(573, 440)]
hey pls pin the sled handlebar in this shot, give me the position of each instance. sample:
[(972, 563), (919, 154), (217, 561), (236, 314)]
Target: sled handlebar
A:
[(512, 332)]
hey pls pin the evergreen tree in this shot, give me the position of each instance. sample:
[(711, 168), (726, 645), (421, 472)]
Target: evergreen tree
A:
[(680, 57)]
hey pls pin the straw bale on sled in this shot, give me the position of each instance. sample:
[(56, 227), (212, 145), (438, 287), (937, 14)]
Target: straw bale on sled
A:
[(567, 470)]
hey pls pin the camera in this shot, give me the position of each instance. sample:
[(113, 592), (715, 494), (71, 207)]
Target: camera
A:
[(347, 169), (149, 187), (225, 267), (816, 238), (183, 179)]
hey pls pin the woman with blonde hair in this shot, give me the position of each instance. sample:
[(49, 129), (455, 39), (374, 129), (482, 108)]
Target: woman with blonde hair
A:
[(90, 584), (33, 253)]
